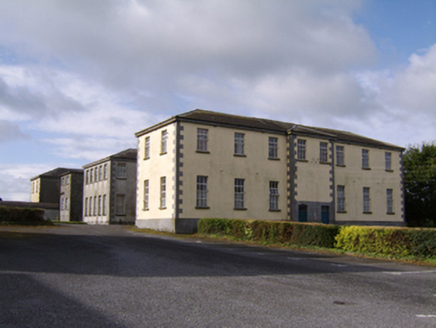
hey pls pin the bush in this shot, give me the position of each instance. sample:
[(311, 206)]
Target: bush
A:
[(22, 216)]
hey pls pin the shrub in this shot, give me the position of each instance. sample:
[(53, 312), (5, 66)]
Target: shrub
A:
[(22, 216)]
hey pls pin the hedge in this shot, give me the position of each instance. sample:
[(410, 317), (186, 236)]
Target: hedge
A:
[(22, 216), (379, 241)]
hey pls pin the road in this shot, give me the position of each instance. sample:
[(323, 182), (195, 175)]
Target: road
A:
[(109, 276)]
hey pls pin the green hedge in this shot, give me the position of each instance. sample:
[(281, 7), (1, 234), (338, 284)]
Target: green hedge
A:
[(274, 232), (381, 241), (22, 216)]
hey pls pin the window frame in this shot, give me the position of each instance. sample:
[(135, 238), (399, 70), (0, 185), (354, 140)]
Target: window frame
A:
[(323, 152), (273, 148), (301, 149), (147, 147), (202, 191), (239, 144), (121, 173), (163, 195), (120, 204), (390, 201), (146, 201), (340, 155), (388, 161), (366, 200), (365, 159), (340, 199), (239, 201), (274, 196), (164, 142), (202, 140)]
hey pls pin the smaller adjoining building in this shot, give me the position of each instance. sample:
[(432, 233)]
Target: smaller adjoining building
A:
[(71, 195), (45, 188), (109, 189)]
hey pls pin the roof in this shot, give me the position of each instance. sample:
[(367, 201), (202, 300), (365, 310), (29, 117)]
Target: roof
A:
[(267, 125), (79, 171), (129, 154), (55, 173)]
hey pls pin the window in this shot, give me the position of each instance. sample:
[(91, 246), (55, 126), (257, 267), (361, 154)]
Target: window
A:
[(121, 170), (365, 158), (201, 191), (119, 205), (323, 153), (388, 161), (91, 172), (390, 201), (100, 173), (239, 193), (66, 203), (86, 206), (239, 144), (87, 177), (163, 144), (62, 203), (301, 149), (146, 194), (90, 206), (147, 148), (273, 195), (163, 194), (366, 200), (104, 204), (62, 181), (340, 156), (340, 198), (99, 205), (272, 147), (95, 206), (202, 139), (105, 171), (67, 180)]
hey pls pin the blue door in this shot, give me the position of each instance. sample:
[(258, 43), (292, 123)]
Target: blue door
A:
[(325, 214), (302, 213)]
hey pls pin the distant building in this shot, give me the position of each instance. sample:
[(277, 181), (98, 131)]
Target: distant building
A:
[(71, 195), (204, 164), (109, 190), (45, 188)]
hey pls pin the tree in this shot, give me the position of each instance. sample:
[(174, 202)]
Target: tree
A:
[(420, 185)]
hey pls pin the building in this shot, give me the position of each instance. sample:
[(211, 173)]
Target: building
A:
[(206, 164), (109, 189), (45, 187), (71, 195)]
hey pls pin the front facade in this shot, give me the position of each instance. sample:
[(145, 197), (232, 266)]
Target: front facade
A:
[(205, 164), (109, 189), (71, 195)]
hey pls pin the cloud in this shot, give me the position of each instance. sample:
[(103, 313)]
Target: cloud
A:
[(11, 132)]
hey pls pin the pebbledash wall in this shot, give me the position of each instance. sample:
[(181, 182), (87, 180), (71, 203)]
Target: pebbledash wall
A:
[(207, 164)]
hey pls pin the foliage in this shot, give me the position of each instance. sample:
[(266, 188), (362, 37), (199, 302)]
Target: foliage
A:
[(420, 185), (22, 216)]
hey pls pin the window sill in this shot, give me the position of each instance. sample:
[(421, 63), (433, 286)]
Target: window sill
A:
[(145, 158), (367, 213), (239, 209), (390, 213), (118, 214), (302, 160), (202, 152), (162, 208), (164, 153), (270, 210), (274, 158), (239, 155), (389, 171), (325, 163), (145, 209), (366, 168), (342, 212), (202, 207), (341, 165)]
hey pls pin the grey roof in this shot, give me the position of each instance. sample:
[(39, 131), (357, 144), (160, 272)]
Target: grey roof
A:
[(129, 154), (55, 173), (267, 125), (79, 171)]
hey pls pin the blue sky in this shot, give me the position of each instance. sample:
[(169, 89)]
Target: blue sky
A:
[(79, 78)]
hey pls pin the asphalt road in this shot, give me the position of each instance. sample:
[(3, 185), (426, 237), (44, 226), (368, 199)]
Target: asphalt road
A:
[(91, 276)]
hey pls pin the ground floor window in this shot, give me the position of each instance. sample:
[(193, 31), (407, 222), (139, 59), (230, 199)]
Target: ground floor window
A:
[(239, 193), (273, 195), (201, 191)]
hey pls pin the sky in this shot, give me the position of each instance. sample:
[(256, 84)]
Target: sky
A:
[(79, 78)]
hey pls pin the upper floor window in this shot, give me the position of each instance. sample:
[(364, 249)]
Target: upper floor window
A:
[(365, 158), (120, 208), (273, 195), (323, 153), (147, 148), (301, 149), (100, 172), (202, 135), (67, 180), (105, 171), (273, 147), (340, 198), (366, 200), (121, 170), (388, 161), (340, 156), (91, 173), (62, 181), (163, 144), (201, 191), (239, 144), (239, 193)]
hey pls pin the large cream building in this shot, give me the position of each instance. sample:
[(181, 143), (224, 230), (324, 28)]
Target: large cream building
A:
[(206, 164)]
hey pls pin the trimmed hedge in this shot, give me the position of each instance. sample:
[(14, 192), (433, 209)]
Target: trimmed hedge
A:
[(384, 241), (22, 216), (304, 234)]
